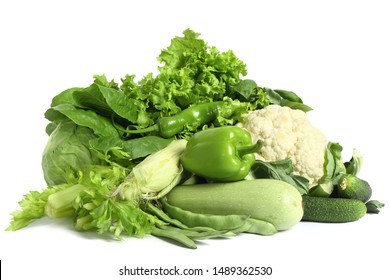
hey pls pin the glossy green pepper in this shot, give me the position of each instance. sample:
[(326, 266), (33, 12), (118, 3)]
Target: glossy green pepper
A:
[(196, 115), (220, 154)]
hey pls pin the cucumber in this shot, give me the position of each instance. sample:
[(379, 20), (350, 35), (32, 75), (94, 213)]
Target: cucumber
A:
[(269, 200), (332, 210), (351, 186)]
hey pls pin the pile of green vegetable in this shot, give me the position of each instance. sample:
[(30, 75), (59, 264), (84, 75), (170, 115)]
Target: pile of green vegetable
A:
[(166, 156)]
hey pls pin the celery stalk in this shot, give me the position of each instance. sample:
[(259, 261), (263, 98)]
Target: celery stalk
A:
[(60, 204)]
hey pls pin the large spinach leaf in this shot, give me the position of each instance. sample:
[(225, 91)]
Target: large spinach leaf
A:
[(280, 170), (100, 125)]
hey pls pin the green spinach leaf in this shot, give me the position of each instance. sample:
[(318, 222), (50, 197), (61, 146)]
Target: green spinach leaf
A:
[(92, 99), (120, 103), (286, 98), (280, 170), (100, 125)]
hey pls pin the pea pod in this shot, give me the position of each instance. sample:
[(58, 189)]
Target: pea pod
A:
[(196, 235), (232, 223), (260, 227), (174, 222), (175, 230), (174, 235), (217, 222)]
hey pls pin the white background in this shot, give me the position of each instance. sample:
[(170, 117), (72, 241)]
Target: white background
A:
[(334, 54)]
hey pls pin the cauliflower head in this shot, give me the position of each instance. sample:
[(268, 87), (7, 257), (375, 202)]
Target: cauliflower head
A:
[(288, 133)]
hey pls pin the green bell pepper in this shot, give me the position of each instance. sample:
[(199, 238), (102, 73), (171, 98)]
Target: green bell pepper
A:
[(220, 154)]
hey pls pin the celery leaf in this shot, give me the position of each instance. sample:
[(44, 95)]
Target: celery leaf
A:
[(32, 207)]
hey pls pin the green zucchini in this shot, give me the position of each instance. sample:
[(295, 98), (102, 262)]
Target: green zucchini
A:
[(269, 200), (332, 210)]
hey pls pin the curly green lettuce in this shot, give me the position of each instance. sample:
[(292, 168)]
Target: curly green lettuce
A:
[(191, 72)]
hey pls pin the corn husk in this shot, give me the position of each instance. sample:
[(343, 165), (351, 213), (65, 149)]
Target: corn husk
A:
[(156, 175)]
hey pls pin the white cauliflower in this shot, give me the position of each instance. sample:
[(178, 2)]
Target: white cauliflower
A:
[(288, 133)]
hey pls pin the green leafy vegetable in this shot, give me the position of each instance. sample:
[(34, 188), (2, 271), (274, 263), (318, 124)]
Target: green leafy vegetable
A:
[(100, 125), (136, 148), (354, 165), (279, 170), (197, 72), (91, 98), (32, 207), (247, 89), (67, 151), (108, 198), (55, 117), (374, 206), (97, 210), (286, 98), (107, 101), (191, 72), (333, 169), (336, 151)]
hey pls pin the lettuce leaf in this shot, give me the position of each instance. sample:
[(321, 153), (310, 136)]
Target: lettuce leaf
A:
[(191, 72)]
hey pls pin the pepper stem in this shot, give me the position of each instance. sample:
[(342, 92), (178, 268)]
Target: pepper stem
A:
[(244, 150), (140, 131)]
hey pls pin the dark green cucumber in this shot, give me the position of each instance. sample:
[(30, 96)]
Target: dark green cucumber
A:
[(332, 210), (353, 187)]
